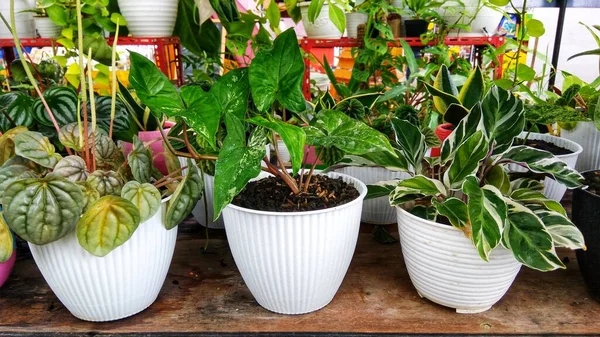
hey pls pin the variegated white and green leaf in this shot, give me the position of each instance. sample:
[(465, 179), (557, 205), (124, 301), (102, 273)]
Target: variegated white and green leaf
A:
[(37, 148), (455, 210), (411, 143), (415, 188), (465, 161), (563, 231), (72, 168), (381, 189), (498, 178), (468, 126), (528, 183), (503, 118), (532, 197)]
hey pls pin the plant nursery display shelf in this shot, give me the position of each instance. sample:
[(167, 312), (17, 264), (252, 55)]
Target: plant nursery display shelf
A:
[(308, 44), (167, 51), (204, 294)]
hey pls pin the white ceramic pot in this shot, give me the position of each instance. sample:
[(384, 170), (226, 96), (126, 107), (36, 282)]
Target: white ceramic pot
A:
[(294, 263), (485, 23), (23, 20), (587, 135), (553, 189), (149, 18), (353, 20), (121, 284), (323, 27), (445, 267), (375, 211), (46, 28)]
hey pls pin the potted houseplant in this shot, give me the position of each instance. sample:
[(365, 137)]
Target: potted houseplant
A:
[(356, 18), (464, 224), (23, 19), (324, 19), (470, 17), (418, 11), (150, 18), (299, 216), (586, 203), (45, 26)]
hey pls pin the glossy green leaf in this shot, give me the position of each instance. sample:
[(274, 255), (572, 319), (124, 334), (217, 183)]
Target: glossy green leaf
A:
[(63, 103), (382, 159), (416, 187), (185, 197), (277, 74), (410, 141), (203, 112), (526, 236), (466, 159), (498, 178), (153, 87), (525, 73), (468, 126), (195, 38), (232, 91), (314, 9), (473, 89), (381, 189), (140, 161), (42, 210), (535, 28), (108, 223), (101, 51), (37, 148), (72, 168), (106, 182), (337, 16), (443, 90), (455, 210), (273, 15), (16, 109), (500, 3), (6, 240), (503, 117), (145, 197), (292, 135), (487, 215), (539, 161)]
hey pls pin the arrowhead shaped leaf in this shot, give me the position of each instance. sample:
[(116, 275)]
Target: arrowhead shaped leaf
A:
[(186, 196), (6, 241), (72, 168), (487, 215), (232, 91), (277, 74), (106, 182), (203, 113), (42, 210), (145, 197), (140, 161), (108, 223), (37, 148), (466, 159)]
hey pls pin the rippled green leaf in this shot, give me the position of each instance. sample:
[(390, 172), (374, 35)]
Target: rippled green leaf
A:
[(145, 197)]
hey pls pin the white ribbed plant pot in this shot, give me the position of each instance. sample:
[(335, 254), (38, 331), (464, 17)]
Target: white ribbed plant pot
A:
[(294, 263), (587, 135), (445, 268), (375, 211), (23, 20), (484, 23), (553, 189), (46, 28), (353, 20), (118, 285), (323, 27), (149, 18), (284, 153)]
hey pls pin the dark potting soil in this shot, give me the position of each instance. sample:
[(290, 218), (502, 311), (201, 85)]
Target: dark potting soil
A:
[(544, 145), (272, 194), (592, 179)]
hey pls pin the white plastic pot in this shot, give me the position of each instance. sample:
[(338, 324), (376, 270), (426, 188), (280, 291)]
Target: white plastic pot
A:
[(485, 22), (284, 153), (119, 285), (323, 27), (375, 211), (23, 20), (587, 135), (149, 18), (46, 28), (353, 20), (445, 267), (553, 189), (294, 263)]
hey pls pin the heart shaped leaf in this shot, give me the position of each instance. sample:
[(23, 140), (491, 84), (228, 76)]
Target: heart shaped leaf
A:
[(10, 173), (72, 168), (70, 136), (42, 210), (140, 161), (186, 196), (108, 223), (106, 182), (145, 197), (37, 148), (6, 241)]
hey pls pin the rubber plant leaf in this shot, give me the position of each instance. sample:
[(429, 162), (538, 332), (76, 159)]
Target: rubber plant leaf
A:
[(153, 88), (108, 223), (185, 197), (106, 182), (6, 241), (487, 215), (42, 210), (277, 74), (72, 168), (411, 142), (465, 161), (416, 187), (62, 101), (140, 161), (7, 143), (37, 148), (293, 137), (145, 197)]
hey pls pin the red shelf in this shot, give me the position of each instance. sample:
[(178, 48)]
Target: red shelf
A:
[(167, 51)]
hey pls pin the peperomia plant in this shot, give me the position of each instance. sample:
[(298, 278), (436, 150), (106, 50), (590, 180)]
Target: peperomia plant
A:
[(469, 188)]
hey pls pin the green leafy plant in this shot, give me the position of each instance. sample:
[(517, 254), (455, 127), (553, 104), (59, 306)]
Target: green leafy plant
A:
[(469, 187)]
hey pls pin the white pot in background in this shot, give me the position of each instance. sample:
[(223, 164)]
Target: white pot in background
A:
[(149, 18), (397, 3), (294, 263), (284, 153), (353, 20), (323, 27), (553, 189), (445, 267), (23, 20), (121, 284), (587, 135), (46, 28), (485, 22), (375, 211)]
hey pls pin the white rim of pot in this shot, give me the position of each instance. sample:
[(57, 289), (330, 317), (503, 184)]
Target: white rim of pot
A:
[(360, 197), (432, 223), (551, 138), (307, 3)]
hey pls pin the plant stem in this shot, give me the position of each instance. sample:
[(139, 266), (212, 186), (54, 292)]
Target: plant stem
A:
[(170, 175), (521, 40), (168, 181), (312, 169), (93, 111), (113, 103), (286, 177), (86, 140), (191, 149)]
